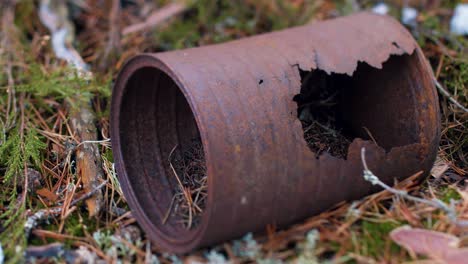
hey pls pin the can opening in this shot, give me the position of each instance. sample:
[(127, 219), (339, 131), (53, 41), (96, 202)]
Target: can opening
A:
[(334, 109), (162, 152)]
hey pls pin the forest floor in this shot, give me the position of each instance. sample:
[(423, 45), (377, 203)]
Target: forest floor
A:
[(43, 215)]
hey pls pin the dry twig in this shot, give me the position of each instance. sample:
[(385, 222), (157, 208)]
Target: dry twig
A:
[(113, 41), (444, 92), (45, 214), (434, 202), (54, 15), (156, 18)]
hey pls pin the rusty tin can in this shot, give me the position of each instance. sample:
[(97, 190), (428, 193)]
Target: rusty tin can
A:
[(238, 98)]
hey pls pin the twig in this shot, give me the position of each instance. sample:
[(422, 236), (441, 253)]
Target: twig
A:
[(166, 216), (370, 135), (113, 41), (62, 32), (93, 142), (88, 194), (449, 96), (53, 250), (45, 214), (88, 160), (9, 52), (434, 202), (156, 18)]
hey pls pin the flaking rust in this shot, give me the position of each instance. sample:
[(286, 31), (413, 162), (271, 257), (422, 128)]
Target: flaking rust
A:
[(238, 98)]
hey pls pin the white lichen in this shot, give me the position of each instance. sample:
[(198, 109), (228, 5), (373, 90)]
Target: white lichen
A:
[(2, 256), (459, 22), (408, 16), (247, 247), (381, 8), (214, 257)]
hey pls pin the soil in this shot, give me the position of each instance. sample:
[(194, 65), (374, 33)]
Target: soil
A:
[(190, 192), (325, 138)]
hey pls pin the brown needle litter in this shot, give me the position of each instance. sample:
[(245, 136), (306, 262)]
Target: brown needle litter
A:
[(188, 166)]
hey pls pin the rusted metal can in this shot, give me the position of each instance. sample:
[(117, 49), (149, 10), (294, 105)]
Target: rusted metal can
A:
[(238, 98)]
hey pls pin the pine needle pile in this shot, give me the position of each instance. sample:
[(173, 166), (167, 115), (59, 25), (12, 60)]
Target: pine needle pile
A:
[(317, 109), (189, 168)]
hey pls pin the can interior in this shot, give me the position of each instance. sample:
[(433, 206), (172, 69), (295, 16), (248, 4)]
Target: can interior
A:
[(372, 104), (158, 123)]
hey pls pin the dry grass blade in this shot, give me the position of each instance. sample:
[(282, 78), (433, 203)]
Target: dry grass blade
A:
[(436, 203)]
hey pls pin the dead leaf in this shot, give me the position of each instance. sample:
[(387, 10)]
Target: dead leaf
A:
[(438, 246), (46, 193)]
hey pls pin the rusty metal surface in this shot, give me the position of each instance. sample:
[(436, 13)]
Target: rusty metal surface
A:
[(237, 97)]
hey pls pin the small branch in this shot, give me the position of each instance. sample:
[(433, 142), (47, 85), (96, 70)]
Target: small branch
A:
[(93, 142), (434, 202), (89, 194), (9, 52), (45, 214), (62, 33), (53, 250), (445, 93), (82, 118), (156, 18), (113, 41), (88, 159)]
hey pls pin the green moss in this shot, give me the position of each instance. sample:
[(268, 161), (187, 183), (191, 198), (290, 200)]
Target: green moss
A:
[(431, 22), (25, 10), (76, 225), (429, 223), (15, 153), (215, 21), (454, 76), (60, 84), (109, 155), (449, 194), (374, 239)]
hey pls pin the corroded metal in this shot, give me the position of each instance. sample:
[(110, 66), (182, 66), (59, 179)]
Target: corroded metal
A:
[(238, 96)]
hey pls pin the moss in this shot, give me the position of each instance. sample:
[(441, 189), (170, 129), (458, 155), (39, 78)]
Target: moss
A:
[(454, 76), (449, 194), (25, 10), (429, 223), (108, 155), (215, 21), (15, 153), (431, 22), (77, 226), (374, 240), (60, 83)]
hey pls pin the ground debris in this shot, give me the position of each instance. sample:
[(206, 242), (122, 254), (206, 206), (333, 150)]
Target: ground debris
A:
[(318, 106), (190, 194)]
